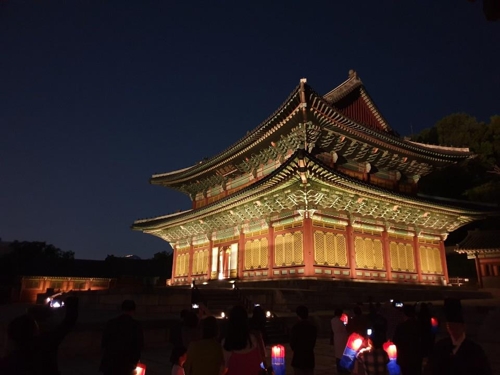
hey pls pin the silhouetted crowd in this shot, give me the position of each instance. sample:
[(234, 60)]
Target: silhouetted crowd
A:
[(202, 346), (410, 328)]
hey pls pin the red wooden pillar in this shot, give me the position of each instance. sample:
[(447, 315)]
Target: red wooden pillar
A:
[(351, 249), (308, 247), (270, 241), (241, 254), (478, 271), (387, 255), (190, 267), (442, 251), (418, 264)]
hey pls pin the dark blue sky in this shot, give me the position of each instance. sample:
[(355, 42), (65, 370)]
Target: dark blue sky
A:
[(95, 96)]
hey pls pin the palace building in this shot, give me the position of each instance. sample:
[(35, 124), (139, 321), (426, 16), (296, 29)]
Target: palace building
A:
[(323, 189)]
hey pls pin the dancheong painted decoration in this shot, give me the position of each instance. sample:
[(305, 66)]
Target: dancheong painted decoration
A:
[(323, 188)]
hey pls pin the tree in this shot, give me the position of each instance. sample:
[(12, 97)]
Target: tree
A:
[(471, 179), (162, 255)]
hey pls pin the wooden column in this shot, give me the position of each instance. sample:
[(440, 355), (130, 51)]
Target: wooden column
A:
[(210, 244), (442, 251), (387, 254), (241, 254), (351, 249), (190, 267), (418, 264), (270, 242), (308, 247), (478, 271)]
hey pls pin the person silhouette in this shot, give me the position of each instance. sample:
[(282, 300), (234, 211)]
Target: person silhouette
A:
[(122, 342)]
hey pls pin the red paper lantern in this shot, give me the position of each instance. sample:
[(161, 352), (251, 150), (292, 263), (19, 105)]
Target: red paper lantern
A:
[(355, 341), (278, 351), (434, 322), (344, 318), (140, 369), (391, 350), (278, 359)]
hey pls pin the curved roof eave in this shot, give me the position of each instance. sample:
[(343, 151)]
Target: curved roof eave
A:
[(243, 142), (341, 180)]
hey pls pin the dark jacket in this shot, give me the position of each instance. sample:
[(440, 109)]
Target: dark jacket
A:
[(407, 340), (469, 359), (39, 356), (122, 341), (302, 342)]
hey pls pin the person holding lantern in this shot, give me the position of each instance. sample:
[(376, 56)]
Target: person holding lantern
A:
[(339, 338), (374, 359), (457, 354)]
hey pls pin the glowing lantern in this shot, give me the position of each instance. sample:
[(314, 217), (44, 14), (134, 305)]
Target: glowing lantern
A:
[(392, 352), (354, 343), (278, 359), (140, 369), (344, 319), (434, 325)]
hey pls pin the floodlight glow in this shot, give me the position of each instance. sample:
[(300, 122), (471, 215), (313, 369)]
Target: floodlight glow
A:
[(223, 315), (268, 314)]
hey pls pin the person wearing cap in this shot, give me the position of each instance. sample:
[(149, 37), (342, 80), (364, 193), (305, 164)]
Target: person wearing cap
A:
[(457, 354)]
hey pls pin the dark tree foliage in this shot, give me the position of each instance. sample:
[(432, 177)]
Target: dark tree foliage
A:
[(474, 179), (25, 255)]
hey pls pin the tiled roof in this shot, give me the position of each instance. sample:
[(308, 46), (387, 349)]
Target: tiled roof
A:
[(481, 240)]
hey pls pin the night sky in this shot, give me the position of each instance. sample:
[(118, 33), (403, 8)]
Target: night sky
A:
[(96, 96)]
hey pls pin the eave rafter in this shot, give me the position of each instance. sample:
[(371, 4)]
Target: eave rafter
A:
[(326, 191)]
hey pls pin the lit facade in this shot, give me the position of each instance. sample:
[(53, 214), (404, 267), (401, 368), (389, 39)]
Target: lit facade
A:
[(323, 188)]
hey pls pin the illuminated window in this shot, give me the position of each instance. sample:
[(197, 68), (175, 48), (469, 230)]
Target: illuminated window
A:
[(56, 284), (330, 249), (430, 259), (79, 285), (32, 284), (402, 257), (288, 249), (256, 254), (369, 253)]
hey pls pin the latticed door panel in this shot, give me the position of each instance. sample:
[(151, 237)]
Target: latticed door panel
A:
[(426, 259), (438, 268), (298, 252), (410, 258), (319, 247), (402, 257), (264, 252), (177, 264), (288, 249), (369, 253), (196, 257), (395, 263), (378, 254), (360, 250), (279, 250), (204, 262), (330, 257), (341, 250), (248, 255)]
